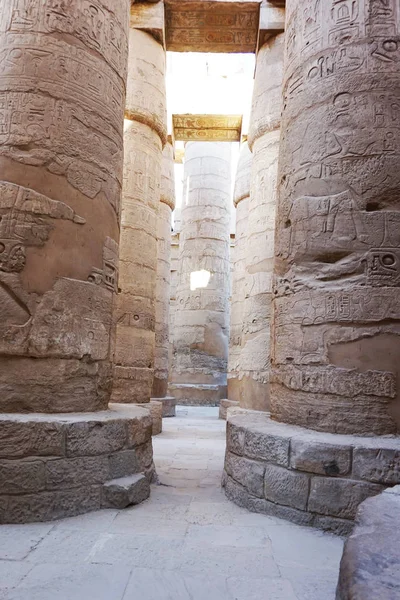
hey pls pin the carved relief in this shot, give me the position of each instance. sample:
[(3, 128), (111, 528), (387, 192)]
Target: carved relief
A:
[(213, 128), (224, 27)]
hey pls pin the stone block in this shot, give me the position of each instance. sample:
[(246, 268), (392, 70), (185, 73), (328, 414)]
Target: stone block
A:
[(144, 455), (370, 565), (339, 497), (286, 487), (240, 496), (271, 447), (97, 437), (224, 406), (317, 457), (48, 506), (235, 436), (377, 465), (122, 464), (249, 473), (334, 525), (169, 406), (21, 477), (140, 429), (72, 472), (21, 436), (123, 492), (156, 415)]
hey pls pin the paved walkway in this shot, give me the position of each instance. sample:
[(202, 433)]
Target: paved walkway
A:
[(186, 543)]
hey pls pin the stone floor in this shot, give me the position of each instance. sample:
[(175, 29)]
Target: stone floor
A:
[(186, 543)]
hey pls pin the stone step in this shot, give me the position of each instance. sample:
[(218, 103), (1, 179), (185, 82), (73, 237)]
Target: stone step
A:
[(224, 405), (123, 492), (191, 394)]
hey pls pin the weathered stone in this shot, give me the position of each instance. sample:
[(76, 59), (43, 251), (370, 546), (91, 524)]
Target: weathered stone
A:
[(207, 26), (377, 465), (122, 464), (286, 488), (224, 405), (145, 136), (238, 494), (370, 566), (267, 446), (168, 406), (248, 473), (156, 415), (264, 136), (19, 477), (140, 430), (201, 323), (95, 437), (60, 165), (48, 506), (20, 436), (336, 310), (241, 201), (71, 472), (123, 492), (339, 497), (235, 436), (322, 459), (167, 205), (144, 454)]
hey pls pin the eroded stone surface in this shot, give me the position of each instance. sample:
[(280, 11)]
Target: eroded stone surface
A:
[(123, 492), (309, 477), (264, 136), (241, 201), (163, 283), (201, 322), (370, 564), (145, 134), (336, 290), (61, 174)]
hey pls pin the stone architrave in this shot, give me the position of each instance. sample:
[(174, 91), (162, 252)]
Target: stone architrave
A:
[(145, 136), (264, 137), (201, 332), (163, 285), (62, 99), (207, 128), (241, 201), (336, 300), (212, 25)]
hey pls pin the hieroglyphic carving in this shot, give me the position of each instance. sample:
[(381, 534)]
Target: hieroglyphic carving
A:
[(337, 259), (212, 128), (206, 26), (201, 323), (62, 99)]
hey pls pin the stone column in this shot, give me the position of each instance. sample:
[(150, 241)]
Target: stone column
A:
[(202, 312), (333, 439), (145, 136), (163, 286), (264, 137), (336, 308), (62, 98), (241, 202)]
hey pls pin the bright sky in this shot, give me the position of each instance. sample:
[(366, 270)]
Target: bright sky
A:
[(209, 84)]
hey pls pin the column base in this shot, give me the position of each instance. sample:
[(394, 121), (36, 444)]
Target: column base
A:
[(305, 476), (224, 405), (156, 410), (168, 406), (197, 394), (61, 465)]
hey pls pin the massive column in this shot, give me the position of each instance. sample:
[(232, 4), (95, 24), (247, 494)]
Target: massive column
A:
[(337, 273), (264, 137), (202, 314), (333, 439), (241, 202), (145, 136), (163, 285), (62, 98)]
